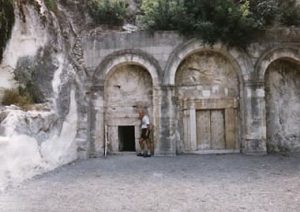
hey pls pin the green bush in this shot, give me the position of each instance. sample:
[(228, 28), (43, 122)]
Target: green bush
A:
[(7, 19), (111, 12)]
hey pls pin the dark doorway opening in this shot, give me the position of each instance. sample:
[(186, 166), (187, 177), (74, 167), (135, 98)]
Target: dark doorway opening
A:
[(126, 138)]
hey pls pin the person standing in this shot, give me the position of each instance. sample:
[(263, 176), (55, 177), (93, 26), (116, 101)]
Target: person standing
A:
[(145, 132)]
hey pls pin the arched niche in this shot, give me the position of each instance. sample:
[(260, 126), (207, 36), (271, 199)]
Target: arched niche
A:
[(128, 87), (287, 53), (282, 96)]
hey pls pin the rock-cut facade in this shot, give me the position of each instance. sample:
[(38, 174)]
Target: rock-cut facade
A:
[(200, 98)]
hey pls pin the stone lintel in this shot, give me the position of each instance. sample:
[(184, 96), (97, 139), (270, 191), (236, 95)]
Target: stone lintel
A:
[(254, 84), (200, 104), (168, 87)]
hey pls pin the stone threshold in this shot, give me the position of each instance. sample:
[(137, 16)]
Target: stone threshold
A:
[(223, 151)]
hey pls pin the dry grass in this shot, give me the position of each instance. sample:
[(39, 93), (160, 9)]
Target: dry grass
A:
[(13, 97)]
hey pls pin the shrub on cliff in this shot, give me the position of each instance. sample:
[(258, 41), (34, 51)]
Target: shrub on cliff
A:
[(51, 4), (24, 96), (111, 12), (16, 97), (217, 20), (162, 14), (7, 19), (233, 22)]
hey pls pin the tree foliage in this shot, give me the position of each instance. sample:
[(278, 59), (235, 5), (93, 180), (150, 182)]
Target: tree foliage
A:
[(233, 22), (289, 12), (160, 14)]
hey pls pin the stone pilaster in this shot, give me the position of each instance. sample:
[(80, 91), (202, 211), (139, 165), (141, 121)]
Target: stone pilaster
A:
[(167, 129), (96, 121), (254, 139)]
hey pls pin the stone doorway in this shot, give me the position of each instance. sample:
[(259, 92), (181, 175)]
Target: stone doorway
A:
[(282, 86), (208, 94), (126, 138), (128, 88)]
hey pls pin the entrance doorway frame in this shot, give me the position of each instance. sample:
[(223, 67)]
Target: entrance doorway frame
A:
[(242, 69)]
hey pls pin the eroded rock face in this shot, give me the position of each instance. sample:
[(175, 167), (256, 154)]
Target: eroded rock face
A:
[(39, 58), (33, 142), (282, 106), (38, 124), (36, 74)]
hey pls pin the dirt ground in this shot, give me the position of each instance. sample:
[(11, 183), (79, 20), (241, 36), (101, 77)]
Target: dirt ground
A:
[(181, 183)]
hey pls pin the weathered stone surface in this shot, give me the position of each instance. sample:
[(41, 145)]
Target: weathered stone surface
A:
[(203, 130), (283, 106), (210, 73)]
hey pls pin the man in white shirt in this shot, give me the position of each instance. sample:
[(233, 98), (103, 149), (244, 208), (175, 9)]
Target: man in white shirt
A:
[(145, 132)]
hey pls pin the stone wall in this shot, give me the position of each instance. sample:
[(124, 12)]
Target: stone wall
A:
[(204, 99)]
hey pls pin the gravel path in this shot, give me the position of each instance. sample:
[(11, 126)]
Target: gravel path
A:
[(182, 183)]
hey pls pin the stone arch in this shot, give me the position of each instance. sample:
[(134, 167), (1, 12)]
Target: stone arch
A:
[(239, 59), (137, 57), (109, 119), (272, 55)]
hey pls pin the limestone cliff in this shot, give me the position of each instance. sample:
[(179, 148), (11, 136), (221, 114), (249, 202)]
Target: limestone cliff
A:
[(39, 53)]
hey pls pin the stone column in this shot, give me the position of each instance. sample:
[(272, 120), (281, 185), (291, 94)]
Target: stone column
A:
[(167, 128), (82, 135), (254, 139)]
